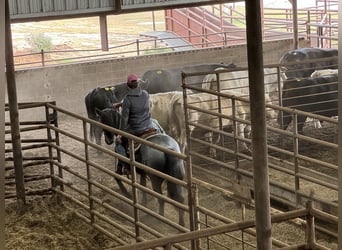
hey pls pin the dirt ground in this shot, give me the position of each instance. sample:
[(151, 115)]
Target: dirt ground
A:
[(51, 225)]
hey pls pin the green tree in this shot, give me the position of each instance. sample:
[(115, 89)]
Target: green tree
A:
[(40, 42)]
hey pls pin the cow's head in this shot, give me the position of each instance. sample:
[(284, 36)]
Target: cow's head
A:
[(293, 64)]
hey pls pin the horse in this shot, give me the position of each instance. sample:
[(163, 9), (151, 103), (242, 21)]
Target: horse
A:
[(153, 158)]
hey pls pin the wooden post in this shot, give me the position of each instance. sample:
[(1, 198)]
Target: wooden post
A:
[(14, 114), (258, 122)]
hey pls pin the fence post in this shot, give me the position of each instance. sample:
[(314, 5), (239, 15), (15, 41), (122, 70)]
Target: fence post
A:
[(308, 26), (138, 48), (43, 57), (310, 227), (225, 38)]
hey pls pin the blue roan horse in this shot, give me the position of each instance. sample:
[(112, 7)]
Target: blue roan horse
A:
[(156, 159)]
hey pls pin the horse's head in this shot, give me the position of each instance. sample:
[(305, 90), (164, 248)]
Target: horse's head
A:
[(109, 117)]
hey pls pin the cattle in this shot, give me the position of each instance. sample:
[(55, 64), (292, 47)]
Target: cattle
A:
[(300, 63), (316, 95), (165, 80), (168, 109), (98, 98), (238, 81), (324, 72), (210, 103)]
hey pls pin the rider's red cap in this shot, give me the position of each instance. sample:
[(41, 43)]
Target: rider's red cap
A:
[(132, 77)]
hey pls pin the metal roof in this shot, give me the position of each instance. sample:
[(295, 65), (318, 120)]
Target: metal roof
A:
[(33, 10)]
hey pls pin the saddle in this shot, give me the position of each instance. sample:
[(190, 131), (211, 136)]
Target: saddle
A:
[(148, 133)]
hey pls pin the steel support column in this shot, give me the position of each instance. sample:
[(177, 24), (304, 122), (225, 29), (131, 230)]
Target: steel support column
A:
[(14, 114), (258, 122), (2, 122), (295, 24), (340, 134)]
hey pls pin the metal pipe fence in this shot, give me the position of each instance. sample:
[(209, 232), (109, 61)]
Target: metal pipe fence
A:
[(277, 24), (299, 173)]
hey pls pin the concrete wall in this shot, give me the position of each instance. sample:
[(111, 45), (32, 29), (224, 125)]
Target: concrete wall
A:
[(68, 85)]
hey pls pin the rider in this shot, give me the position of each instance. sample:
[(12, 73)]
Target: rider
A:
[(135, 115)]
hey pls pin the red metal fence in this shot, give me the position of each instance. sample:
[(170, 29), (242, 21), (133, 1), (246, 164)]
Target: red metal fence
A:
[(317, 24)]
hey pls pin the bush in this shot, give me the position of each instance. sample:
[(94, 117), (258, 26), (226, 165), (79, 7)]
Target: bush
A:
[(40, 42)]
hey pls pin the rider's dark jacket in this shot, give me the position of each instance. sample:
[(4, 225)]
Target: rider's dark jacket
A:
[(135, 113)]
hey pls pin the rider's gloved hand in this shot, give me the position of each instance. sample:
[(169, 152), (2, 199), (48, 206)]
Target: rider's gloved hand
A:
[(119, 139)]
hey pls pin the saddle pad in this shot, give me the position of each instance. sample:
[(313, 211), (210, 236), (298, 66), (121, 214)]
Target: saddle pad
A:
[(146, 135)]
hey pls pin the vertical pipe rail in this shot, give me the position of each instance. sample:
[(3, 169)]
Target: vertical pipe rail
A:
[(59, 157), (134, 189), (236, 141), (194, 190), (49, 137), (243, 215), (308, 26), (138, 47), (310, 227), (89, 177), (295, 155), (42, 56), (192, 210), (258, 122)]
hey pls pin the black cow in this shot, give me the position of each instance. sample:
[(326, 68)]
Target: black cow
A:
[(165, 80), (99, 98), (301, 68), (316, 95)]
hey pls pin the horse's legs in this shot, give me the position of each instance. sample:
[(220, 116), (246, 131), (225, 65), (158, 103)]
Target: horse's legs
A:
[(143, 183), (175, 192), (98, 134), (209, 139), (157, 187), (122, 188)]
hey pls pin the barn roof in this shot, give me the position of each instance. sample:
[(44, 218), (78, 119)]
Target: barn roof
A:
[(33, 10)]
